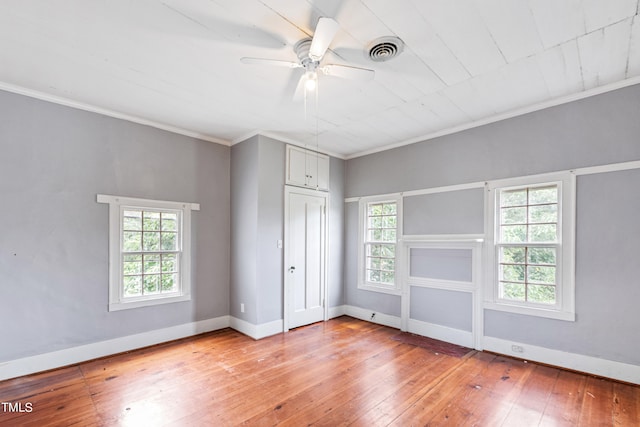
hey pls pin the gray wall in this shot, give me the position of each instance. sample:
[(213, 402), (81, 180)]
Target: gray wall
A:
[(270, 280), (335, 259), (54, 237), (454, 212), (595, 131), (244, 229)]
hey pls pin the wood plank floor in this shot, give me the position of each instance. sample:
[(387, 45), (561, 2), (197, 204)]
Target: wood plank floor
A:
[(341, 372)]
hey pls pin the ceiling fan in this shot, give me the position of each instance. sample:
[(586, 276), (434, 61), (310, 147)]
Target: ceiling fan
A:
[(310, 52)]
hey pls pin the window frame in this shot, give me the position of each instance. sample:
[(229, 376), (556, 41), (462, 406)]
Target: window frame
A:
[(564, 308), (363, 283), (117, 206)]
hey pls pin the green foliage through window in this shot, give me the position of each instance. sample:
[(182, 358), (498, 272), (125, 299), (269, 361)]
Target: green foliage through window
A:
[(527, 242), (150, 252), (380, 242)]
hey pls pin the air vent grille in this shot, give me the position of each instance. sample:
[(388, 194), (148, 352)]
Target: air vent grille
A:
[(385, 48)]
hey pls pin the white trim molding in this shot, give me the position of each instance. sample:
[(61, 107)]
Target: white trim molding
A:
[(256, 331), (70, 356), (442, 333), (372, 316), (336, 311), (575, 362)]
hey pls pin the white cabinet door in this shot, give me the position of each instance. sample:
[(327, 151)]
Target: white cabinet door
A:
[(307, 168)]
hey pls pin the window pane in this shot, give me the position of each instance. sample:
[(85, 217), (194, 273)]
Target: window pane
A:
[(387, 276), (132, 286), (389, 222), (132, 264), (387, 264), (375, 235), (389, 235), (131, 241), (543, 233), (543, 213), (543, 195), (169, 263), (512, 273), (132, 220), (389, 209), (513, 197), (542, 294), (373, 263), (151, 241), (375, 221), (513, 233), (541, 274), (512, 291), (374, 250), (388, 251), (512, 255), (151, 221), (373, 275), (542, 256), (169, 282), (151, 284), (169, 221), (168, 241), (375, 209), (513, 215), (151, 264)]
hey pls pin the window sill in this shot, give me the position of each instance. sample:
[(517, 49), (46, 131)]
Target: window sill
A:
[(116, 306), (379, 289), (532, 311)]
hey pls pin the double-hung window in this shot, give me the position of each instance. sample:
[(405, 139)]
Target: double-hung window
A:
[(149, 251), (532, 252), (380, 225)]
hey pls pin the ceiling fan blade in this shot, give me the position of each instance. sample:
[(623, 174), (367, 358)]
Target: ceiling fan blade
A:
[(274, 62), (325, 32), (346, 72), (298, 95)]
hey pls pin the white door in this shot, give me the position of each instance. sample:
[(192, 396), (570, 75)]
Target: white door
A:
[(305, 226)]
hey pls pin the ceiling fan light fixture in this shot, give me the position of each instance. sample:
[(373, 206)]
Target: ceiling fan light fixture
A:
[(311, 82)]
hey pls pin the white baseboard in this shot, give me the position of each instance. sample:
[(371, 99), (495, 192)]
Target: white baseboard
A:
[(256, 331), (336, 311), (366, 314), (70, 356), (442, 333), (577, 362)]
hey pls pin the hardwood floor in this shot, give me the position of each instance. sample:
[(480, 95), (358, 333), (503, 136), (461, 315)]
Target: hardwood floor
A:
[(341, 372)]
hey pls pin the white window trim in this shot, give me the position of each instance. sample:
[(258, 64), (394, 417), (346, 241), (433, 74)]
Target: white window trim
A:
[(565, 308), (116, 204), (363, 284)]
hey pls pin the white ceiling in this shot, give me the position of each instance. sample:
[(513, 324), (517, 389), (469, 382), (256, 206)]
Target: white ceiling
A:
[(176, 63)]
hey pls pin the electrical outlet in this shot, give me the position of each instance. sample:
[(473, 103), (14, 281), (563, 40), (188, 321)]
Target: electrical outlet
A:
[(517, 349), (241, 308)]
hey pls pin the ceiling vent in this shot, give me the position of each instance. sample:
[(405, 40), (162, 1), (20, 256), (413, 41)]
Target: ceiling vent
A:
[(385, 48)]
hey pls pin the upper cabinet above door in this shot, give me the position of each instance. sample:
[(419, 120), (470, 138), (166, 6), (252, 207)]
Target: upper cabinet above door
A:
[(307, 168)]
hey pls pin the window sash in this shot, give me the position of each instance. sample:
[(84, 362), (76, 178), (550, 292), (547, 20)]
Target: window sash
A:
[(379, 241), (563, 240)]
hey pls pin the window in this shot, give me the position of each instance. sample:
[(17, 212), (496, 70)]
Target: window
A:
[(532, 254), (379, 244), (149, 244)]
